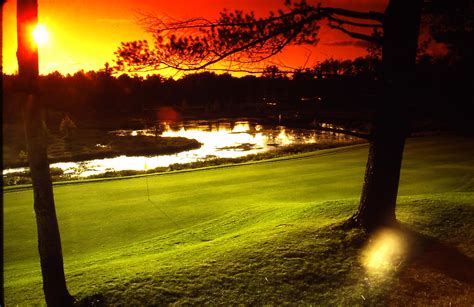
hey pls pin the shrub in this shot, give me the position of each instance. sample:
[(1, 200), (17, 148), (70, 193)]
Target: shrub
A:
[(56, 171), (67, 126)]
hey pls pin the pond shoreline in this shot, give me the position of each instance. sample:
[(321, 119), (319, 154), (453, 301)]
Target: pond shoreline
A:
[(99, 146), (167, 146), (285, 151)]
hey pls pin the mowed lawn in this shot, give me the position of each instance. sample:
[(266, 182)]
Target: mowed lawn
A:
[(253, 233)]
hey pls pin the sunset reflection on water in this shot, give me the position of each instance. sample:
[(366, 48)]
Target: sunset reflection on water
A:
[(220, 139)]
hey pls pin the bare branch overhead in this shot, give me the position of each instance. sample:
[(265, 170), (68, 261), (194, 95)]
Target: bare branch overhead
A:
[(371, 15), (356, 24), (356, 35), (236, 37)]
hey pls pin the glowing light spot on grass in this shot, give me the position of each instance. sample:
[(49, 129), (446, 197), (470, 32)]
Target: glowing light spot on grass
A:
[(384, 252)]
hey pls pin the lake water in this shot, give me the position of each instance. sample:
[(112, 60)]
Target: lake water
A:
[(220, 139)]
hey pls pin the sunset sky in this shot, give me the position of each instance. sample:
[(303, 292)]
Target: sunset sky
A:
[(85, 33)]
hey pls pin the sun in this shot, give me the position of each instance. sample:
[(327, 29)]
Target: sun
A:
[(41, 35)]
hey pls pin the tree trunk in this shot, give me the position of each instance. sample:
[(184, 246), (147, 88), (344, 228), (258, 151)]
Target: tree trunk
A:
[(2, 2), (49, 241), (382, 174), (390, 128)]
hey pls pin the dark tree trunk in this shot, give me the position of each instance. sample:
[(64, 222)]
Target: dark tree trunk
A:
[(49, 241), (2, 2), (382, 174), (391, 123)]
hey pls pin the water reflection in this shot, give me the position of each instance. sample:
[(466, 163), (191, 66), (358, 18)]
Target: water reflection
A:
[(222, 139)]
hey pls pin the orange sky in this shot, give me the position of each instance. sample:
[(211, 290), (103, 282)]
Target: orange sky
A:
[(85, 33)]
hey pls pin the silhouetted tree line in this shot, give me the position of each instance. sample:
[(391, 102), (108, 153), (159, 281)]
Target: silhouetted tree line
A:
[(332, 84)]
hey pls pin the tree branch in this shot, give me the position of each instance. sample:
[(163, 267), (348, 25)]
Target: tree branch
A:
[(356, 35), (198, 43), (228, 69), (356, 24), (371, 15), (200, 23), (249, 45)]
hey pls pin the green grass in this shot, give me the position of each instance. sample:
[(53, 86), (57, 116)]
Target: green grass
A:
[(253, 234)]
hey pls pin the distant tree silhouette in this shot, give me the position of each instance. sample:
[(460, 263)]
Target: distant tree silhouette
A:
[(94, 95), (242, 39), (67, 126), (273, 72), (452, 23), (49, 241)]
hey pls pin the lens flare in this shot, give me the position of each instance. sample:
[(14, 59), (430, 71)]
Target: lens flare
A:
[(41, 35), (384, 252)]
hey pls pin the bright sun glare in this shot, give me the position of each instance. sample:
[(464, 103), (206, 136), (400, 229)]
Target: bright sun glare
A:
[(40, 35)]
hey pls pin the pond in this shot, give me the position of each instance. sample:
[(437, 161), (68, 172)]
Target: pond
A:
[(219, 139)]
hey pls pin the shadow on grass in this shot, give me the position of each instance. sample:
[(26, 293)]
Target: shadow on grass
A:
[(93, 300), (434, 273), (292, 267), (431, 253), (303, 267)]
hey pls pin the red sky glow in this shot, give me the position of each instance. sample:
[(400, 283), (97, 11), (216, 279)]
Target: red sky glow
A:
[(84, 34)]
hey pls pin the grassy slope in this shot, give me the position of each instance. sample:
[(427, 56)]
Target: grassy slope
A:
[(244, 234)]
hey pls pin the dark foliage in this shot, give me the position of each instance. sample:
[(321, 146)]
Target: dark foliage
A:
[(92, 95)]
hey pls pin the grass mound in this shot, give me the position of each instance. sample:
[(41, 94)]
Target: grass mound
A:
[(261, 233)]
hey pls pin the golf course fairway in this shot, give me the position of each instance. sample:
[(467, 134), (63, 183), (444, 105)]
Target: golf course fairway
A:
[(253, 233)]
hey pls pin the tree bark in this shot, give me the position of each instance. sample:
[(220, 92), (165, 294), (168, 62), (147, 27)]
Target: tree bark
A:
[(2, 2), (382, 174), (49, 241), (391, 123)]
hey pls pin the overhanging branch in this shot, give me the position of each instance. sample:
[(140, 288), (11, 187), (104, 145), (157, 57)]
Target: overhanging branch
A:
[(371, 15), (356, 24), (245, 39), (155, 24), (249, 45), (356, 35)]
